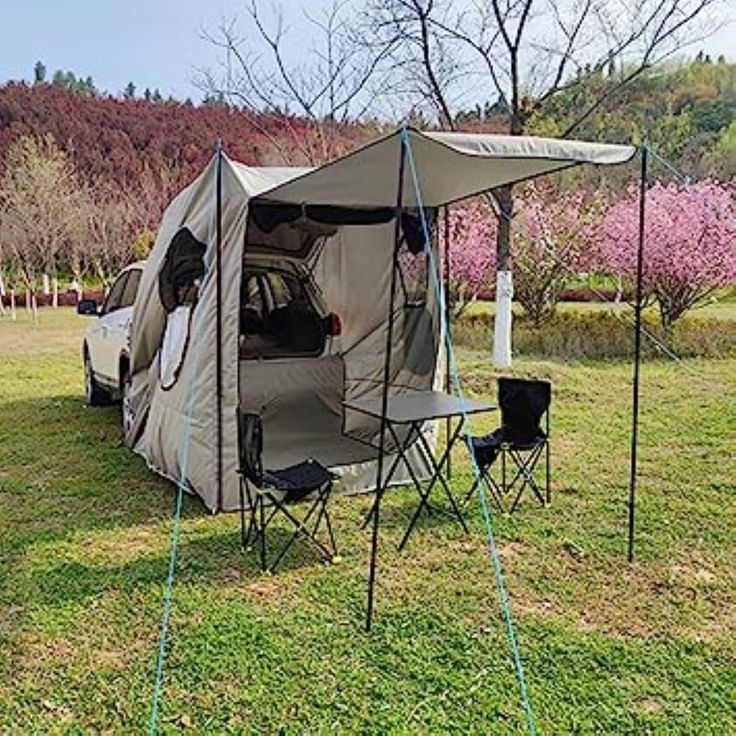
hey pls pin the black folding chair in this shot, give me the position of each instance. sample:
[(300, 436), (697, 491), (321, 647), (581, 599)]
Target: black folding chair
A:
[(520, 438), (278, 490)]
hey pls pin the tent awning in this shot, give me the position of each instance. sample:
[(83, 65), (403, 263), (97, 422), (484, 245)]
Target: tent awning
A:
[(449, 166)]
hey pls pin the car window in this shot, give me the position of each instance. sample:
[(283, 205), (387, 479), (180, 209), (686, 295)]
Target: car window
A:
[(115, 296), (131, 288)]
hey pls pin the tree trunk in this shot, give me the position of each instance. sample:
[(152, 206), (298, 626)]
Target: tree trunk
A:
[(504, 281), (13, 313)]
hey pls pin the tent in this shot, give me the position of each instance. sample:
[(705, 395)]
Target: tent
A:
[(322, 241)]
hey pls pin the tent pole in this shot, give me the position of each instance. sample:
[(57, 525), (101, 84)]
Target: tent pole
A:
[(218, 288), (448, 316), (637, 348), (386, 379)]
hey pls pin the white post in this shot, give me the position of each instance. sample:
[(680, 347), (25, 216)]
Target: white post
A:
[(503, 319)]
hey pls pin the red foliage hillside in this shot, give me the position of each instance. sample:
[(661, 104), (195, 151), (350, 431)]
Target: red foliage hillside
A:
[(117, 139)]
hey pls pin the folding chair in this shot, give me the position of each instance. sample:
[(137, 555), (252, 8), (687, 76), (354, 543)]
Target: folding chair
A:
[(520, 438), (278, 490)]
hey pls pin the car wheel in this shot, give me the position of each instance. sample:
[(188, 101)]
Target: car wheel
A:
[(96, 395), (128, 416)]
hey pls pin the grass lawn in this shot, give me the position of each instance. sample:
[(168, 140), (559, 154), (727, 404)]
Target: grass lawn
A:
[(719, 308), (608, 647)]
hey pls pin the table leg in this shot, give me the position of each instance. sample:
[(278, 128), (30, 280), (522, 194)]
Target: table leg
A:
[(436, 475), (401, 449)]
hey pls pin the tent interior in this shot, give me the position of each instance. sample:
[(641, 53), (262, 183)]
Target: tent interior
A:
[(313, 312)]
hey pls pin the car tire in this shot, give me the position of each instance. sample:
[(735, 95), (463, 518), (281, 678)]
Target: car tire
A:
[(95, 394), (127, 416)]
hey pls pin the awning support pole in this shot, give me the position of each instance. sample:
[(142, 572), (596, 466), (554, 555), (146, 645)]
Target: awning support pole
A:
[(638, 304), (386, 378), (448, 325), (218, 337)]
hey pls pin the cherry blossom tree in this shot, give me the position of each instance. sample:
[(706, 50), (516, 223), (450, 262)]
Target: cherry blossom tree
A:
[(690, 243), (472, 258), (552, 240)]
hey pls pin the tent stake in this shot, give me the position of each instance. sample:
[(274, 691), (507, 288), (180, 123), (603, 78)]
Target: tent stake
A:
[(637, 349), (218, 337), (386, 379)]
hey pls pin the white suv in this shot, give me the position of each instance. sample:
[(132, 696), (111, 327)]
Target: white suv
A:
[(106, 347)]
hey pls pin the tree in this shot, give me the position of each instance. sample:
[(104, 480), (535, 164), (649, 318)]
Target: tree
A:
[(39, 73), (111, 224), (472, 259), (328, 86), (551, 241), (527, 54), (40, 199), (129, 91), (690, 244)]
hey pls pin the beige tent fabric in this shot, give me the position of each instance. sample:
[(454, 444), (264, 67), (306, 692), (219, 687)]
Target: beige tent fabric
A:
[(450, 167), (175, 428)]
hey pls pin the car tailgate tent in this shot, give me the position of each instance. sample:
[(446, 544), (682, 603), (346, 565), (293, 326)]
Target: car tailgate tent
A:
[(187, 374)]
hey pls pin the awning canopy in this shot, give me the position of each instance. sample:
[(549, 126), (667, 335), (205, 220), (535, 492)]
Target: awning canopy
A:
[(449, 167)]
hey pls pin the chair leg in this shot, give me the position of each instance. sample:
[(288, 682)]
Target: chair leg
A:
[(330, 534), (504, 486), (473, 489), (300, 529), (525, 473), (262, 530), (243, 537), (324, 513), (493, 489)]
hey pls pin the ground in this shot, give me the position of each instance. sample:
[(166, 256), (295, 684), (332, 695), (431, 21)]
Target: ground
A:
[(608, 647)]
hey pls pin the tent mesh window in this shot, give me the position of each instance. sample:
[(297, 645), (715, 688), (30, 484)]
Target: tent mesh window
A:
[(179, 281), (413, 259)]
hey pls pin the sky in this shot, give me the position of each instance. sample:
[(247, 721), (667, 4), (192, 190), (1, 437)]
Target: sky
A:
[(154, 43)]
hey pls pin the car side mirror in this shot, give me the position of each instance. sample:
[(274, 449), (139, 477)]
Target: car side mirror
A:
[(88, 308)]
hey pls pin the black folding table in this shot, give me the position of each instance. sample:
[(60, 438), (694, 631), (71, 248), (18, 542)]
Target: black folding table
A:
[(413, 410)]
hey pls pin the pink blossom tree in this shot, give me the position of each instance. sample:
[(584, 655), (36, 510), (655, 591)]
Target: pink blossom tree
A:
[(690, 245), (472, 254), (552, 240)]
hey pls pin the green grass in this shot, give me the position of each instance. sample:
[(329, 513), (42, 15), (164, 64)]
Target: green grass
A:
[(608, 647), (723, 307)]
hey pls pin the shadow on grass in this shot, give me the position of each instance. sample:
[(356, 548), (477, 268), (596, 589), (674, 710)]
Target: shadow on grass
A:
[(215, 559), (65, 461)]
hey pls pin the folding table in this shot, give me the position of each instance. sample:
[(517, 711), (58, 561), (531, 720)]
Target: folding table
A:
[(412, 410)]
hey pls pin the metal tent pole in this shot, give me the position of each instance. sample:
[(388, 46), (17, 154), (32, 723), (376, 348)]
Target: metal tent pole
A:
[(448, 337), (386, 378), (637, 348), (218, 336)]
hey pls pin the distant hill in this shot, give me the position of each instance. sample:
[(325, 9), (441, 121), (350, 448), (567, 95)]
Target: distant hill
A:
[(687, 111), (116, 139)]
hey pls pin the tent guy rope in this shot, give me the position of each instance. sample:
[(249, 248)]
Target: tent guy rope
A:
[(486, 512), (181, 487)]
